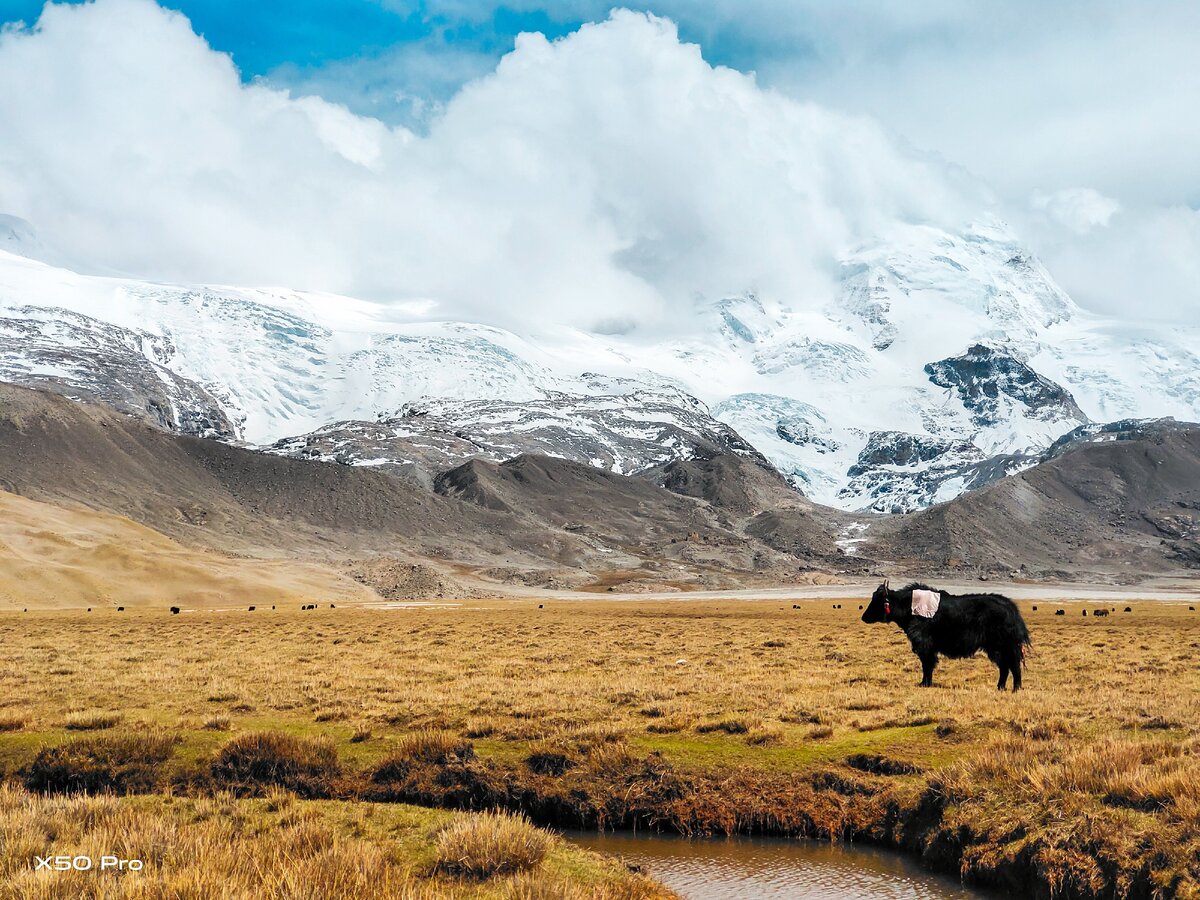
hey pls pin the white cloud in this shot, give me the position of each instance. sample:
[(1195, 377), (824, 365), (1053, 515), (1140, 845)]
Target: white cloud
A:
[(1077, 209), (1026, 93), (1137, 264), (605, 179)]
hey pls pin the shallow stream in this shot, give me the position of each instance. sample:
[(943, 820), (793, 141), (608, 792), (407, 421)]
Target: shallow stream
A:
[(767, 868)]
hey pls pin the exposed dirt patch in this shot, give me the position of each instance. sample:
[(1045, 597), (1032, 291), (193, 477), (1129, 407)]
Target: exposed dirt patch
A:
[(395, 579)]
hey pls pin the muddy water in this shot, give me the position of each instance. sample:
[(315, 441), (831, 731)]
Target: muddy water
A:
[(765, 868)]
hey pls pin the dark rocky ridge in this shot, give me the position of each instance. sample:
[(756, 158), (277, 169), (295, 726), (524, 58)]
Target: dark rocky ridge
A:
[(983, 375)]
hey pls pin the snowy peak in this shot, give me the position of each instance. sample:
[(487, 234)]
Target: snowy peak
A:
[(939, 361), (978, 284)]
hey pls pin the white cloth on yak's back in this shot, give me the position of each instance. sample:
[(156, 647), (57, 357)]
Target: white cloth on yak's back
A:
[(925, 603)]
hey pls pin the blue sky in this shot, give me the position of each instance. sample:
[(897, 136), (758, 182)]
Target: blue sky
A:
[(400, 60), (353, 51)]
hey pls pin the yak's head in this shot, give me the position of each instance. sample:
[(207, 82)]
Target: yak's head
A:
[(880, 606)]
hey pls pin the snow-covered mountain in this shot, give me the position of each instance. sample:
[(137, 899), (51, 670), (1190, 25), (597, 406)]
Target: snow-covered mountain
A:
[(939, 362), (621, 425)]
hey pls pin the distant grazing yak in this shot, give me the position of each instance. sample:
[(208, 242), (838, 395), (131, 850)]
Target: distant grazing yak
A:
[(961, 627)]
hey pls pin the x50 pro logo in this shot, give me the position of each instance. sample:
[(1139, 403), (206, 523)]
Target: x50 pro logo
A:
[(85, 864)]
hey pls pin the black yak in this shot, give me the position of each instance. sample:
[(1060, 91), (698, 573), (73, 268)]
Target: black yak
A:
[(174, 610), (961, 627)]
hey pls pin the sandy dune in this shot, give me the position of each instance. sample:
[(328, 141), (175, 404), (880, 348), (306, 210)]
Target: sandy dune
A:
[(55, 557)]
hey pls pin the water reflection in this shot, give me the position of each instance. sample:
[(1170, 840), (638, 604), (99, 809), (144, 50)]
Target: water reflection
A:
[(767, 868)]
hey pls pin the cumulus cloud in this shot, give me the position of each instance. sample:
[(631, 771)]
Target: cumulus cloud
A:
[(606, 180), (1024, 92)]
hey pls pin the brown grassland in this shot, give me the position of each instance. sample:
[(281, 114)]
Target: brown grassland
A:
[(297, 753)]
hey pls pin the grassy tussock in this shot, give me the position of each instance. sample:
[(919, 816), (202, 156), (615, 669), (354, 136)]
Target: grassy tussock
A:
[(551, 758), (422, 750), (14, 721), (118, 764), (251, 763), (490, 844), (92, 721)]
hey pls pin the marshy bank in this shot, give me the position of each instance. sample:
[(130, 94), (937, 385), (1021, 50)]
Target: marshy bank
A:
[(747, 718)]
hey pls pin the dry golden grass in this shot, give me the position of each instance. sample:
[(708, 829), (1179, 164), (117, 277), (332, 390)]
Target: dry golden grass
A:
[(489, 844), (91, 721), (1084, 778), (221, 847), (128, 763)]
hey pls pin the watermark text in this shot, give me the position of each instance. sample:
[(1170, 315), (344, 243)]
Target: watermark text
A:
[(85, 864)]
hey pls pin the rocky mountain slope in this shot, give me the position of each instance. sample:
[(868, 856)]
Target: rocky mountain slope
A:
[(623, 427), (1122, 499), (1117, 502), (532, 518)]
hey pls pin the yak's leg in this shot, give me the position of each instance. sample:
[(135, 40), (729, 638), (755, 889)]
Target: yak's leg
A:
[(1014, 663), (928, 661), (1000, 661)]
